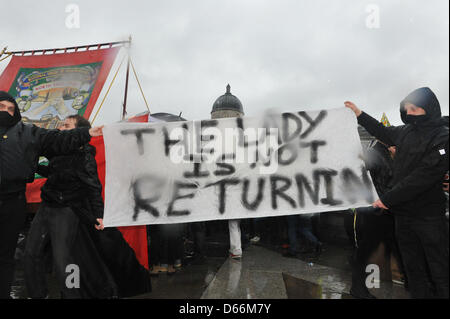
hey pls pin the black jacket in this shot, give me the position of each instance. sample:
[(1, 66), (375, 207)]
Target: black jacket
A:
[(421, 159), (110, 264), (380, 164), (72, 180), (20, 148)]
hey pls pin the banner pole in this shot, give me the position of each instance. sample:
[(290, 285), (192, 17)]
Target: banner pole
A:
[(8, 54), (139, 84), (124, 110), (106, 94), (75, 48)]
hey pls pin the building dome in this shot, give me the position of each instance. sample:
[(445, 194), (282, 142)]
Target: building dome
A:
[(227, 102)]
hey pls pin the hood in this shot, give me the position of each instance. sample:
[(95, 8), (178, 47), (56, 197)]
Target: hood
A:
[(4, 96), (425, 99)]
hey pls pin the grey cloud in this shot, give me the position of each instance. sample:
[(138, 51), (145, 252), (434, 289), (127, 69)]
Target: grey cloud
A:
[(286, 54)]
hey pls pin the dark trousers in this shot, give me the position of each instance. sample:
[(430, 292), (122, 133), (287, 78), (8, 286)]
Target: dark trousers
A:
[(423, 244), (166, 243), (58, 227), (12, 219), (253, 226), (303, 225), (155, 242), (372, 227), (198, 230)]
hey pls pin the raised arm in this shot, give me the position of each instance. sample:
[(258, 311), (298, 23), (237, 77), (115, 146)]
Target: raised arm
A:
[(388, 135), (56, 142)]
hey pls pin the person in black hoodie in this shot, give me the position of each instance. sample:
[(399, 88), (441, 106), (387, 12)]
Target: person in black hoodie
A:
[(417, 199), (371, 226), (20, 147), (68, 221)]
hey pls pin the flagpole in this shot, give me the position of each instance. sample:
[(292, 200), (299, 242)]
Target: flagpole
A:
[(124, 110), (67, 49)]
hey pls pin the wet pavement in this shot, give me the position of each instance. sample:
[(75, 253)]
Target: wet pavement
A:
[(262, 273), (188, 283)]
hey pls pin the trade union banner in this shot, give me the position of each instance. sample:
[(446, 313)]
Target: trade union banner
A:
[(50, 87), (272, 165)]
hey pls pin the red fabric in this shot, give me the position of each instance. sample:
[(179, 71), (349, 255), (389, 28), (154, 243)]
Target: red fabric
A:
[(107, 56), (33, 193), (136, 237), (139, 118)]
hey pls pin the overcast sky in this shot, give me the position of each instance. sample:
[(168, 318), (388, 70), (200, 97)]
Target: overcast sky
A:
[(284, 54)]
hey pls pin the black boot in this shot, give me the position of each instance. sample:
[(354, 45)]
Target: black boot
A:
[(359, 289)]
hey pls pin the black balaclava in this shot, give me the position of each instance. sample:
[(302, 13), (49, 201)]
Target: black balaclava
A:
[(427, 100), (6, 120)]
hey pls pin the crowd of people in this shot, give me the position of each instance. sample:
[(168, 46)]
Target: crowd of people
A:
[(408, 165)]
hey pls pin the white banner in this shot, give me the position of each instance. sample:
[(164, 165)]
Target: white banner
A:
[(276, 164)]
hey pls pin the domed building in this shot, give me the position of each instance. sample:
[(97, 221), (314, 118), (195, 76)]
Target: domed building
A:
[(227, 105)]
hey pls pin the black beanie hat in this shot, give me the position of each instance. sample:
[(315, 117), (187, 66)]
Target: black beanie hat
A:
[(5, 96)]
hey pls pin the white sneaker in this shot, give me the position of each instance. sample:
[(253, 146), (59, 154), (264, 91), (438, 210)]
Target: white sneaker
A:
[(255, 239)]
